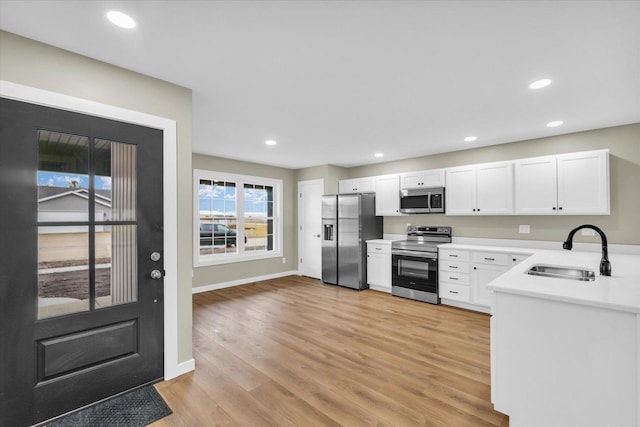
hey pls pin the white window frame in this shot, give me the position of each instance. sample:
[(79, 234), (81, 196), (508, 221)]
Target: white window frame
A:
[(240, 180)]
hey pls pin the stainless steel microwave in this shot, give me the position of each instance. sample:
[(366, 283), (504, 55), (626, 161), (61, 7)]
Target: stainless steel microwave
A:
[(422, 200)]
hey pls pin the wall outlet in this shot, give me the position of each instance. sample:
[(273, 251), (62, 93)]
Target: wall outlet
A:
[(524, 229), (588, 232), (284, 260)]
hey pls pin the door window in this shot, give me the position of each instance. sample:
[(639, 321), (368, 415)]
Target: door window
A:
[(86, 256)]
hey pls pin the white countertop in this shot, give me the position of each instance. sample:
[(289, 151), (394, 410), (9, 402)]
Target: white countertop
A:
[(379, 241), (620, 291), (486, 248)]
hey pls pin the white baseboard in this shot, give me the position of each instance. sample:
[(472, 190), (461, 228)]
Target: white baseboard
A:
[(222, 285), (181, 368)]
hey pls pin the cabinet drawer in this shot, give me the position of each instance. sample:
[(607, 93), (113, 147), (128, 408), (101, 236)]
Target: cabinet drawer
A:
[(453, 255), (455, 292), (451, 277), (378, 248), (490, 258), (454, 266)]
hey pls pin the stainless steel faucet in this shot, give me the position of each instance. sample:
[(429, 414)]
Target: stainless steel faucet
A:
[(605, 265)]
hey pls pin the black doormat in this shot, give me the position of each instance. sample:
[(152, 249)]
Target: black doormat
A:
[(136, 408)]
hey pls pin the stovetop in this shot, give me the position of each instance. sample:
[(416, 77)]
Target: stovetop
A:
[(423, 238)]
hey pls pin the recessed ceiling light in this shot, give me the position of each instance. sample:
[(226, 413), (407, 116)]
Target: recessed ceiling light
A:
[(121, 19), (270, 142), (555, 123), (539, 84), (470, 138), (378, 155)]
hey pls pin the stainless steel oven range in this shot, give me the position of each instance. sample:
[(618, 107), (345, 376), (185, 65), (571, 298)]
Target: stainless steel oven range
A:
[(415, 263)]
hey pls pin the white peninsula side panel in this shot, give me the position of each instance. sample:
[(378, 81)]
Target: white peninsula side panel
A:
[(556, 363)]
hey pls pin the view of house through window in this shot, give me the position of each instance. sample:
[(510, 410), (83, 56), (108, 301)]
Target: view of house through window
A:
[(258, 217), (72, 236), (237, 217)]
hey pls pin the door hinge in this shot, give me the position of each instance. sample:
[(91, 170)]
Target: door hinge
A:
[(301, 195), (300, 260)]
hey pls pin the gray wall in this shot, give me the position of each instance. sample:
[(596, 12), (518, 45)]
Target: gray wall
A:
[(236, 271), (622, 226), (42, 66), (331, 174)]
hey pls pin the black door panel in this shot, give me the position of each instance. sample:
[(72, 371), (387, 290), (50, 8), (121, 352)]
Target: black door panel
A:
[(67, 360)]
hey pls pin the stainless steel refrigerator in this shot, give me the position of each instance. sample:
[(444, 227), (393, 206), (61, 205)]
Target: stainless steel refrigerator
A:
[(348, 221)]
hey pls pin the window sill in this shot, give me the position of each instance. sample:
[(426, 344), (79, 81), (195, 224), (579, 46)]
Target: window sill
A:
[(210, 260)]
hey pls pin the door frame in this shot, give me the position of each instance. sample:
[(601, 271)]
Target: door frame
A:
[(301, 216), (18, 92)]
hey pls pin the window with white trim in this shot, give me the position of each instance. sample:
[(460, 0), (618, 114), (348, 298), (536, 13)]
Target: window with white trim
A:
[(236, 218)]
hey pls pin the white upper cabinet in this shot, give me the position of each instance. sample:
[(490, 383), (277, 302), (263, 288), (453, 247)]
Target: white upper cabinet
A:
[(387, 195), (422, 179), (460, 193), (583, 183), (356, 185), (567, 184), (484, 189), (536, 186)]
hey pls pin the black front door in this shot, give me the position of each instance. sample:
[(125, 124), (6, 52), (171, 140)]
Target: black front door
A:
[(81, 239)]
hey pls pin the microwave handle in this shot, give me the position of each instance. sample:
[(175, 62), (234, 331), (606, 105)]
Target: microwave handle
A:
[(429, 200)]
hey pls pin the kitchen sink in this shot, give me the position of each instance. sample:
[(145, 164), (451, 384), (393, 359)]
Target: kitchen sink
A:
[(561, 272)]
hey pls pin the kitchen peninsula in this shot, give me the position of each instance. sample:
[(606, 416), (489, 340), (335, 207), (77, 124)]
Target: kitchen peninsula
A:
[(567, 352)]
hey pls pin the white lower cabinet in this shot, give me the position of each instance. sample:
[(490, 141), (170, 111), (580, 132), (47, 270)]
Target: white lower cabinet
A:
[(379, 266), (463, 276), (454, 277), (486, 267), (556, 363)]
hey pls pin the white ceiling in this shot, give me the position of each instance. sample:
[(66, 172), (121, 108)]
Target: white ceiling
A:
[(336, 81)]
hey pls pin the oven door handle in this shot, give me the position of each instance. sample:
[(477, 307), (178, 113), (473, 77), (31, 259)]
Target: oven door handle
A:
[(414, 254)]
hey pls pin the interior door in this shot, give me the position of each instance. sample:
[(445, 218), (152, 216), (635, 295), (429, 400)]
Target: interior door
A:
[(310, 227), (81, 288)]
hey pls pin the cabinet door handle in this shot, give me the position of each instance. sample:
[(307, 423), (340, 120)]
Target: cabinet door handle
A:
[(489, 259), (453, 256), (453, 278), (453, 266), (453, 292)]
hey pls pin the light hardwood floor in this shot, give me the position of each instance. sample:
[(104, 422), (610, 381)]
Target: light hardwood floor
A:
[(296, 352)]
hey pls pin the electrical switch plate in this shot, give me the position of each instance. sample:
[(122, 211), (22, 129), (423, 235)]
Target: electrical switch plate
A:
[(588, 232), (524, 229), (284, 260)]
